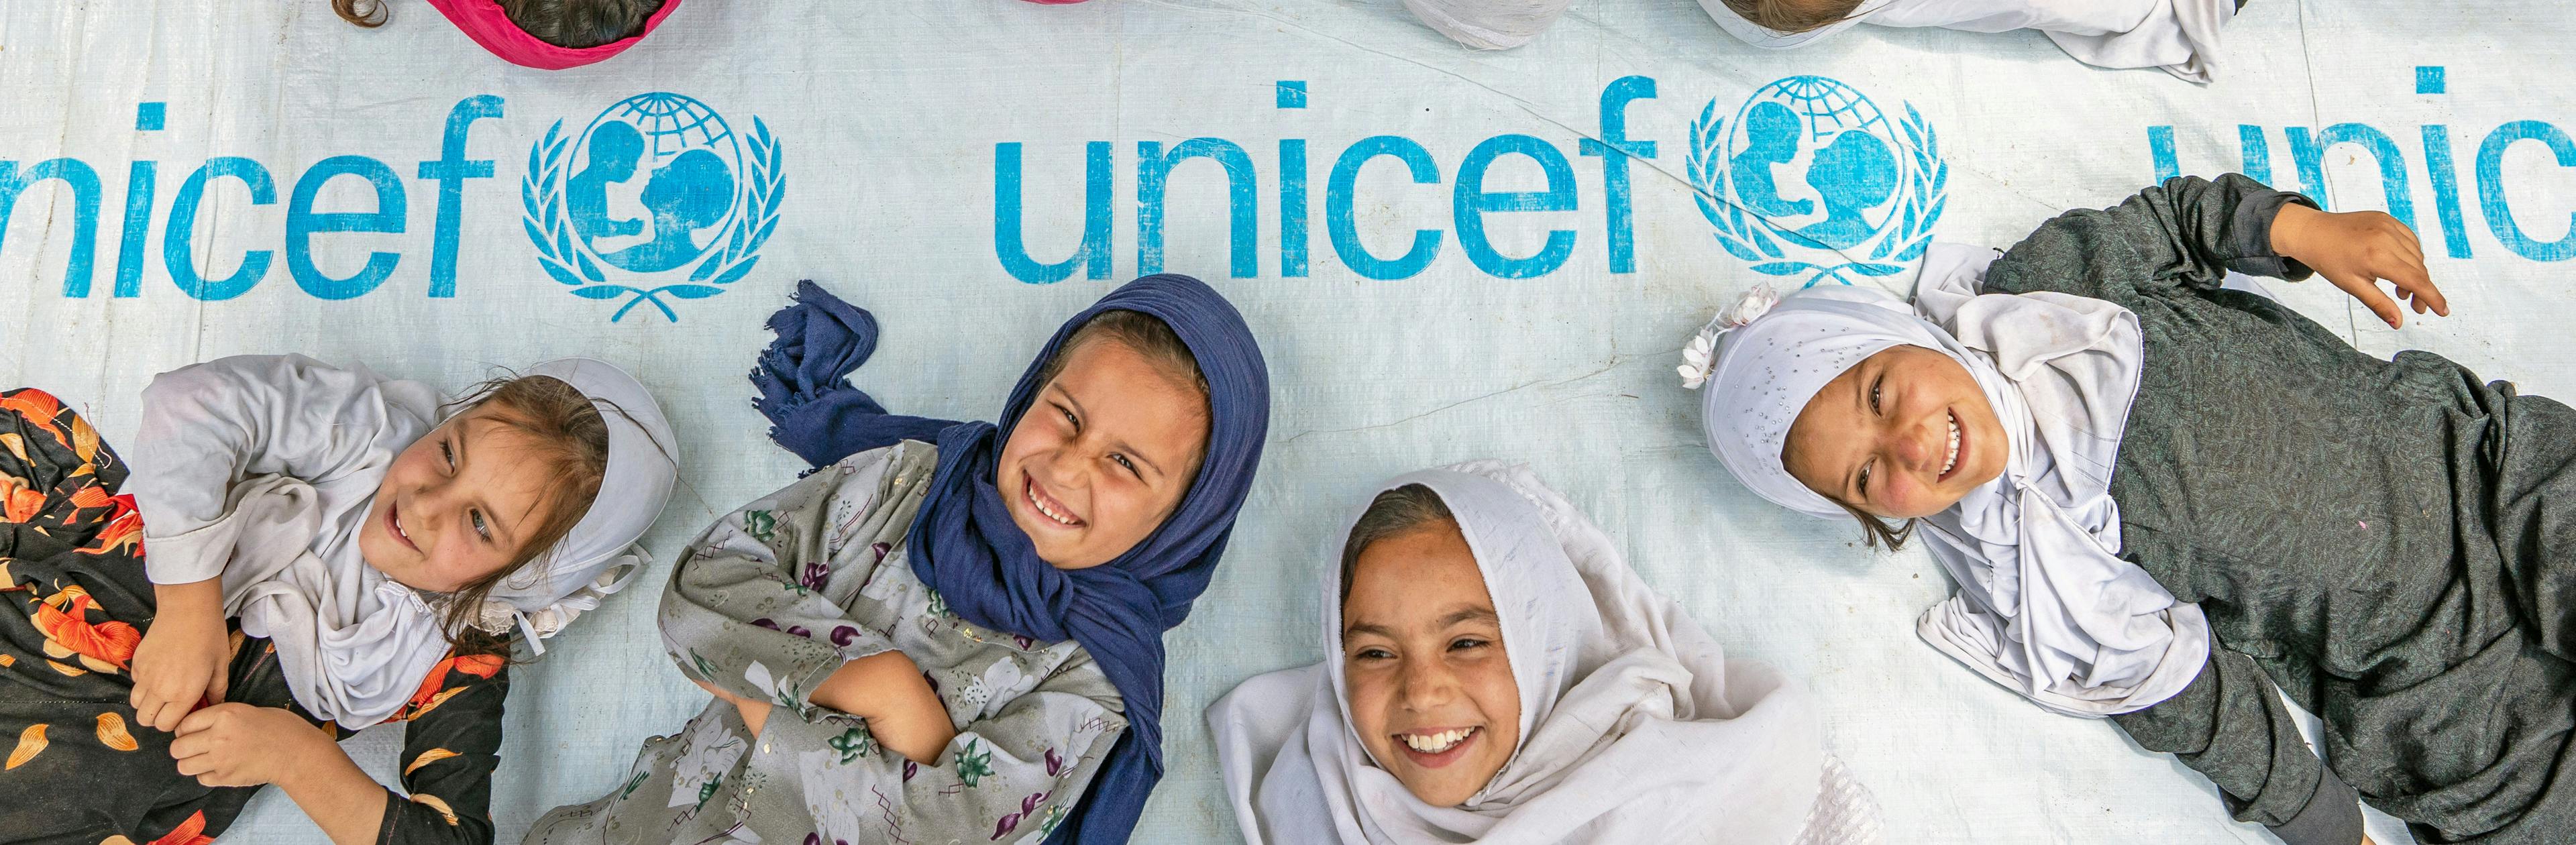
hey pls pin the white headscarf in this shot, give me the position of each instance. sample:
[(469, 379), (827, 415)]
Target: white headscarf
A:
[(2180, 36), (354, 644), (2045, 606), (1635, 727), (1489, 24)]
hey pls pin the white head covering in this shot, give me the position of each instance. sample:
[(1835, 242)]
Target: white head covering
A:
[(1489, 24), (1635, 727), (2046, 606), (599, 554), (354, 644), (2180, 36)]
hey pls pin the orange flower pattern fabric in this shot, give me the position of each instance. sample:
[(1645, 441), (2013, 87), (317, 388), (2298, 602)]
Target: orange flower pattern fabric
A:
[(74, 604)]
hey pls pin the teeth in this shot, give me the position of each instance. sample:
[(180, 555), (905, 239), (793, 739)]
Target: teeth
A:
[(1953, 459), (1437, 742), (1040, 504)]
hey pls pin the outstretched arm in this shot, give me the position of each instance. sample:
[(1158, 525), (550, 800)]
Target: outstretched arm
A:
[(2231, 726), (2357, 250)]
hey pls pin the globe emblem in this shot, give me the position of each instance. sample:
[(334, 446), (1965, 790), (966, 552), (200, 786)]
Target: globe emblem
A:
[(1809, 178), (658, 200), (1817, 160), (674, 161)]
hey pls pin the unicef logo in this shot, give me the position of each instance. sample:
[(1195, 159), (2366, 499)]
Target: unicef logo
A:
[(656, 200), (1809, 175)]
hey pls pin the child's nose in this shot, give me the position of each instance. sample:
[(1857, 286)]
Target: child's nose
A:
[(1427, 684), (1913, 452)]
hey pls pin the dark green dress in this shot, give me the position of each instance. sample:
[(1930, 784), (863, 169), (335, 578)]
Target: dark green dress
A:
[(2379, 538)]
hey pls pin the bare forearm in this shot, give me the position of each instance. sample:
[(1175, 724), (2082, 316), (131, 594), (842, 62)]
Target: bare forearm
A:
[(205, 596), (887, 690), (348, 805), (915, 726)]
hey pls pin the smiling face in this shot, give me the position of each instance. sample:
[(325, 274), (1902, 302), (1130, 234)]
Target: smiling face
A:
[(1103, 455), (1904, 433), (458, 504), (1431, 689)]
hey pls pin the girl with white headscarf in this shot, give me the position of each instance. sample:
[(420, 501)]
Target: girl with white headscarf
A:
[(2169, 500), (1610, 717), (2180, 36), (328, 550)]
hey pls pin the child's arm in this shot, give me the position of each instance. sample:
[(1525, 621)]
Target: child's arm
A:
[(450, 746), (1024, 767), (241, 745), (887, 689), (760, 633), (2187, 232), (2231, 726), (206, 427), (884, 688), (2355, 251), (184, 656)]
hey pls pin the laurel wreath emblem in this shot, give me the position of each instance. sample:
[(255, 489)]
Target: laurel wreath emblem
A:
[(1754, 239), (549, 226)]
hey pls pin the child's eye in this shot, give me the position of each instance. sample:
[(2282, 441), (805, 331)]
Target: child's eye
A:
[(1864, 478), (479, 527), (1873, 393), (447, 451), (1372, 654), (1465, 643), (1068, 416), (1130, 465)]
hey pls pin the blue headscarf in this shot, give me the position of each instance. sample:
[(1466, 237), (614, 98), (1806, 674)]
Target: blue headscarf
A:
[(964, 544)]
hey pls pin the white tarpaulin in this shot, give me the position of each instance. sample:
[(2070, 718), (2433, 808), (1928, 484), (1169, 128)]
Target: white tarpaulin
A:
[(1447, 255)]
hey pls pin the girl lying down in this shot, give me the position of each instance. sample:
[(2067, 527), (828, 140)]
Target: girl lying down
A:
[(329, 549), (952, 632), (2163, 498), (1495, 673)]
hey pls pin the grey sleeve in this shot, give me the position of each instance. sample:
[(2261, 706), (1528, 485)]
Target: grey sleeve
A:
[(2231, 726), (2332, 817), (2186, 232)]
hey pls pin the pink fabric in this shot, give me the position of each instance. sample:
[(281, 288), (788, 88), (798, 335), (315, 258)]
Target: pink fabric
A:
[(484, 22)]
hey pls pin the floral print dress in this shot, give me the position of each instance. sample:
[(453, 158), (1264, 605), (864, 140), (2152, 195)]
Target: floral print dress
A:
[(74, 603), (772, 599)]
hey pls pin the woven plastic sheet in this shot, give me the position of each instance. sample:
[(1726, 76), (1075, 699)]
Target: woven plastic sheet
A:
[(1447, 254)]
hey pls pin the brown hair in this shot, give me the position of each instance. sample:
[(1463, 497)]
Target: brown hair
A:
[(570, 437), (1878, 533), (1394, 512), (372, 17), (1145, 333), (1794, 16), (575, 24)]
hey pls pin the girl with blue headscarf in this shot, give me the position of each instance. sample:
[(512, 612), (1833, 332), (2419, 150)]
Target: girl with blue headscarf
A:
[(953, 631)]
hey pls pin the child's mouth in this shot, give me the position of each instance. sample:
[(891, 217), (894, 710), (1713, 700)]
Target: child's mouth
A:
[(393, 525), (1046, 505), (1434, 749), (1958, 440)]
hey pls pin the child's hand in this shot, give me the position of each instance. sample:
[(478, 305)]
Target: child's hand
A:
[(2356, 250), (754, 713), (240, 745), (184, 656)]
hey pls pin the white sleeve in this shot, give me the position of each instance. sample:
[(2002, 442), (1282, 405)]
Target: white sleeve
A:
[(207, 426)]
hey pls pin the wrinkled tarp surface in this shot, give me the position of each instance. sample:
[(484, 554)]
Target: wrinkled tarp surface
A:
[(974, 171)]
